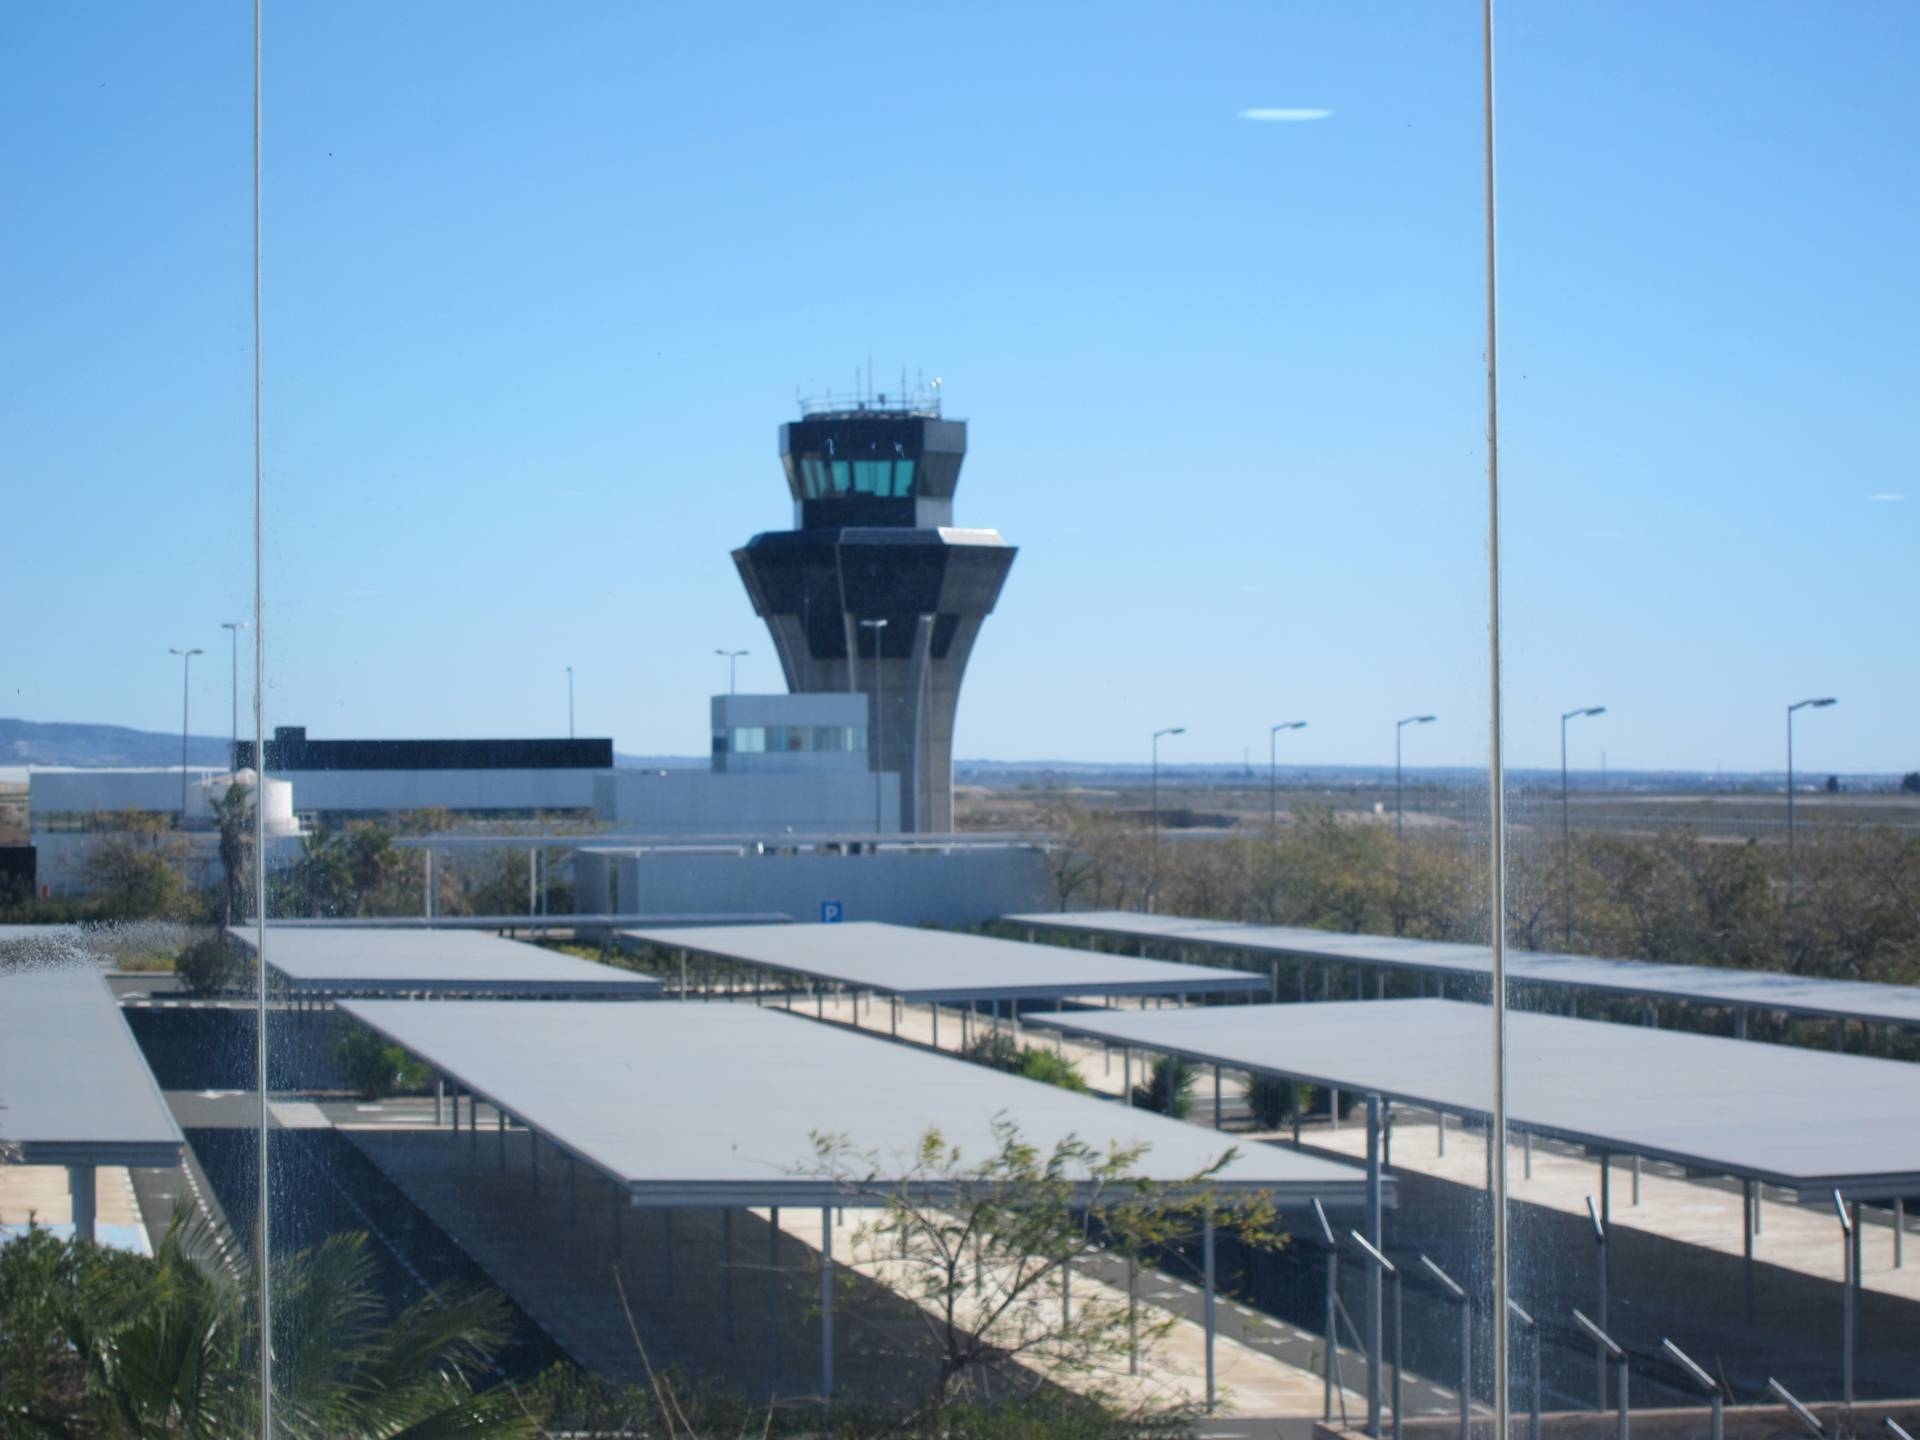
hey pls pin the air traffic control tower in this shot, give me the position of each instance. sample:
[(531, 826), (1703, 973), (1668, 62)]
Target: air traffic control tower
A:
[(874, 541)]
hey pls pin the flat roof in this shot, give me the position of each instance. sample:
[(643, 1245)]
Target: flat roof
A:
[(521, 922), (437, 962), (945, 966), (74, 1087), (687, 1104), (1705, 984), (1806, 1120)]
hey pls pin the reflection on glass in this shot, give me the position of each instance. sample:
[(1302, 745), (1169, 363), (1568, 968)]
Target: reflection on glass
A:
[(709, 1074)]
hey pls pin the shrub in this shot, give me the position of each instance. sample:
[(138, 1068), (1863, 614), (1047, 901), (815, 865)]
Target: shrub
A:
[(211, 965), (1051, 1069), (1169, 1075), (995, 1049), (1271, 1100), (375, 1068)]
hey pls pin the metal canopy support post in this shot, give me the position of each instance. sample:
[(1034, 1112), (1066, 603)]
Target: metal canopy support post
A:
[(1749, 1206), (726, 1271), (1715, 1401), (826, 1302), (1611, 1351), (773, 1301), (1849, 1214), (1533, 1379), (1217, 1123), (80, 1186), (1459, 1296), (439, 1099), (1126, 1073), (1374, 1312), (1335, 1383), (936, 1024), (1595, 1216), (1207, 1249), (1383, 1264)]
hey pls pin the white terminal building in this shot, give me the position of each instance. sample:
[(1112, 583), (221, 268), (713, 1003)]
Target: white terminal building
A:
[(70, 810), (839, 793)]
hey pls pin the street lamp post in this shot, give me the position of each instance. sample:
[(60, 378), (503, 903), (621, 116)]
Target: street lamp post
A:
[(1153, 880), (1801, 705), (233, 628), (1273, 774), (569, 702), (879, 729), (1566, 828), (1399, 729), (730, 656), (186, 667)]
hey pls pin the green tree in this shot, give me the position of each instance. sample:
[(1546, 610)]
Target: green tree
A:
[(1168, 1089), (375, 1067), (137, 868), (1271, 1099), (981, 1245), (100, 1343), (233, 815)]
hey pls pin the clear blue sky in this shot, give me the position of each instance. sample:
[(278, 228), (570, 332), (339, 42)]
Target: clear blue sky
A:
[(542, 282)]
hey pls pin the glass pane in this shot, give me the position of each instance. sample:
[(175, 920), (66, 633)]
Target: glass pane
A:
[(1707, 326), (1230, 277), (129, 1104)]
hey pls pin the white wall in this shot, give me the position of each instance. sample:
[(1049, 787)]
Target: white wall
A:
[(701, 802), (52, 792), (906, 887), (319, 791)]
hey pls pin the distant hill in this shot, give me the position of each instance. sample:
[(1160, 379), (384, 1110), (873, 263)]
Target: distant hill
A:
[(28, 742)]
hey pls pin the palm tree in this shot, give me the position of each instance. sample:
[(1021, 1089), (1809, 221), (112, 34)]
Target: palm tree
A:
[(186, 1365)]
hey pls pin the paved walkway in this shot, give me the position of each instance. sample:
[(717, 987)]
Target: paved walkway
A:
[(39, 1194), (1707, 1211), (1801, 1238), (481, 1192)]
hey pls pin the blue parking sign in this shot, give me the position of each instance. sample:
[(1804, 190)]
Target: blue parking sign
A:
[(832, 912)]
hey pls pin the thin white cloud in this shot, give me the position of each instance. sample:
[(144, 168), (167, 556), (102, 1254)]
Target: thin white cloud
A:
[(1284, 115), (1885, 496)]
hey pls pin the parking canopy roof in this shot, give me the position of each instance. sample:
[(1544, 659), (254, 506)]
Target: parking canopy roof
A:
[(435, 962), (74, 1088), (944, 966), (1807, 1120), (691, 1104), (1701, 984)]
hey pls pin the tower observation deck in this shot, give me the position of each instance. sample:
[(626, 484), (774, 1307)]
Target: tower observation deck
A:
[(874, 540)]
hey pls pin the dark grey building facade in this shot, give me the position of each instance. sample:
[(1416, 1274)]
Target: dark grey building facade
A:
[(874, 541)]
